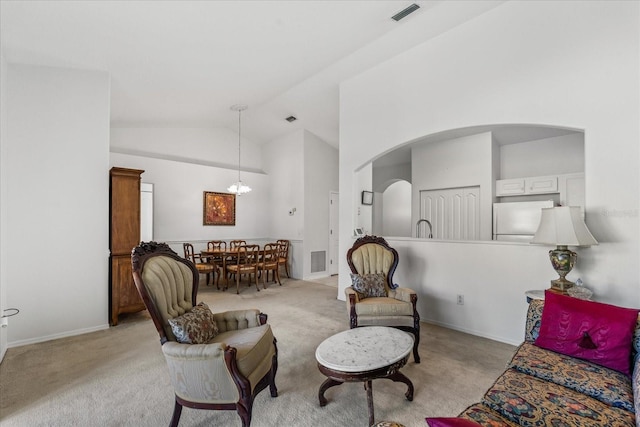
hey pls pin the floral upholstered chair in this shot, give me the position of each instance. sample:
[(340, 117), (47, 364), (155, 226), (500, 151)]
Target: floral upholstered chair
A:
[(216, 360), (373, 299)]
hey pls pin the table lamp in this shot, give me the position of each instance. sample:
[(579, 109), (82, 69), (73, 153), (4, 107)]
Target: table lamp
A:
[(563, 226)]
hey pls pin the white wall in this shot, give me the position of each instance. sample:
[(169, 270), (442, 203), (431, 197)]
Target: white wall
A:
[(572, 64), (217, 147), (550, 156), (55, 162), (384, 176), (3, 204), (362, 215), (320, 178), (456, 163), (178, 201), (396, 210), (283, 161), (303, 169)]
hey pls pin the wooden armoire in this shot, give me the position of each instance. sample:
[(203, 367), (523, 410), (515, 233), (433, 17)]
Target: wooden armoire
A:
[(124, 235)]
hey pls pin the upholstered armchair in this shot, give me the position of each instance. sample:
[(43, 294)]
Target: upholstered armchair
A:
[(373, 299), (216, 360)]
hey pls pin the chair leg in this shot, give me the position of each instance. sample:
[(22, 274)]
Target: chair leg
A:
[(272, 375), (276, 273), (416, 341), (286, 269), (177, 411), (255, 276), (244, 407)]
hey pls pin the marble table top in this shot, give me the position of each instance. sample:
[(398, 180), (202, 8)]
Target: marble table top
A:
[(364, 349)]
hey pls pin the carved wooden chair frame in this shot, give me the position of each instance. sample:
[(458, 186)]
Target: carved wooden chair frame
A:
[(353, 317)]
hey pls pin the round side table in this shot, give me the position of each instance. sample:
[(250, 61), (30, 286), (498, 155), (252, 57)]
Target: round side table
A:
[(362, 355)]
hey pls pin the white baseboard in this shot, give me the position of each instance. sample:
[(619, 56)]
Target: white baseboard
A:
[(472, 332), (315, 276), (57, 336)]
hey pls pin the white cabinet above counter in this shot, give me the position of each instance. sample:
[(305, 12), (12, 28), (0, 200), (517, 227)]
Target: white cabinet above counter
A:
[(570, 187), (522, 186)]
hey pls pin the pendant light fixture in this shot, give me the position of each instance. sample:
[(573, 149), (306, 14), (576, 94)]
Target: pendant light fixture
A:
[(238, 187)]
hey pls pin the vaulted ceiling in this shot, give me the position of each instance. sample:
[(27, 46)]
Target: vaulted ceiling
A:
[(184, 63)]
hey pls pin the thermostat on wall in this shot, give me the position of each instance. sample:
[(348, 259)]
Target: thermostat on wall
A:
[(358, 232)]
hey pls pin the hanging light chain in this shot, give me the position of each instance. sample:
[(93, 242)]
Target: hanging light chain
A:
[(239, 188), (239, 141)]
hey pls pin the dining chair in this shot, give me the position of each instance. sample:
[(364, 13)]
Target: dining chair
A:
[(206, 268), (269, 262), (230, 257), (221, 246), (245, 262), (217, 245), (283, 254), (235, 243)]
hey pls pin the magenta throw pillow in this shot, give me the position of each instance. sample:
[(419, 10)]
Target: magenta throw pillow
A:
[(451, 422), (589, 330)]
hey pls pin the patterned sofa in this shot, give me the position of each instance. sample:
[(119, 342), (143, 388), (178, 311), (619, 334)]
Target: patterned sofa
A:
[(541, 387)]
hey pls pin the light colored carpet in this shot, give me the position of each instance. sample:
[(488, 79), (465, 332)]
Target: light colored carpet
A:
[(118, 377)]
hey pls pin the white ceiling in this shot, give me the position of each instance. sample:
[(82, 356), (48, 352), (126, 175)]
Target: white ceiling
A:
[(184, 63)]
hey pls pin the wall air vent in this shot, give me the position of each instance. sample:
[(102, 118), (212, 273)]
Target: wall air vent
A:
[(318, 261), (403, 13)]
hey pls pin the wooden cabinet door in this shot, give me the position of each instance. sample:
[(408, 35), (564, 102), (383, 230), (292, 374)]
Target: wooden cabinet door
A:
[(125, 210), (125, 297)]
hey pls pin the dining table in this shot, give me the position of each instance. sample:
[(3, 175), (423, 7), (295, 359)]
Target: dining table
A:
[(225, 255)]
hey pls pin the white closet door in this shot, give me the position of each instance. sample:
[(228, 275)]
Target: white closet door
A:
[(454, 213)]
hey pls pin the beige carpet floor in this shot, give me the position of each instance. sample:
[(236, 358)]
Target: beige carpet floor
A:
[(118, 377)]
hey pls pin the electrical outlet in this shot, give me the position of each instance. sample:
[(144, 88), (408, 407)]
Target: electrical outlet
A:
[(460, 299)]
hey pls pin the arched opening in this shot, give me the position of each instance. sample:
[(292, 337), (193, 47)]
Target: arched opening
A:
[(392, 210), (478, 159)]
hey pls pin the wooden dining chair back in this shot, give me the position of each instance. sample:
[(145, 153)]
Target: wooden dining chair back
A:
[(209, 269), (235, 243), (283, 254), (217, 245), (269, 262), (245, 262)]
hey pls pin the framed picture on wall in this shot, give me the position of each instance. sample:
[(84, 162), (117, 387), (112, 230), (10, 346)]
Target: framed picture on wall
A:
[(367, 198), (218, 208)]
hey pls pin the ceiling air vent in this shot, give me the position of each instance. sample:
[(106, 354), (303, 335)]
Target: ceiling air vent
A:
[(403, 13), (291, 119)]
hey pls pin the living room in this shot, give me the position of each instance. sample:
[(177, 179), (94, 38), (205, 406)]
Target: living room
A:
[(571, 64)]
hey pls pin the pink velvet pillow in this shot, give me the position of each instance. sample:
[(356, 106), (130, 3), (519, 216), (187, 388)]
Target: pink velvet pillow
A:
[(451, 422), (593, 331)]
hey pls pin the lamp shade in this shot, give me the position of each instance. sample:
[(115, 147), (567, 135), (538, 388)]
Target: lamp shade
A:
[(563, 226)]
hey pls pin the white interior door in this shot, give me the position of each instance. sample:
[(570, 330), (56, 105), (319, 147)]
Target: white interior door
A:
[(146, 212), (333, 233), (454, 213)]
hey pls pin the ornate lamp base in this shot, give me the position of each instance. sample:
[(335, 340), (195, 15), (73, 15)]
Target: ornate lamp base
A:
[(562, 260), (561, 285)]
